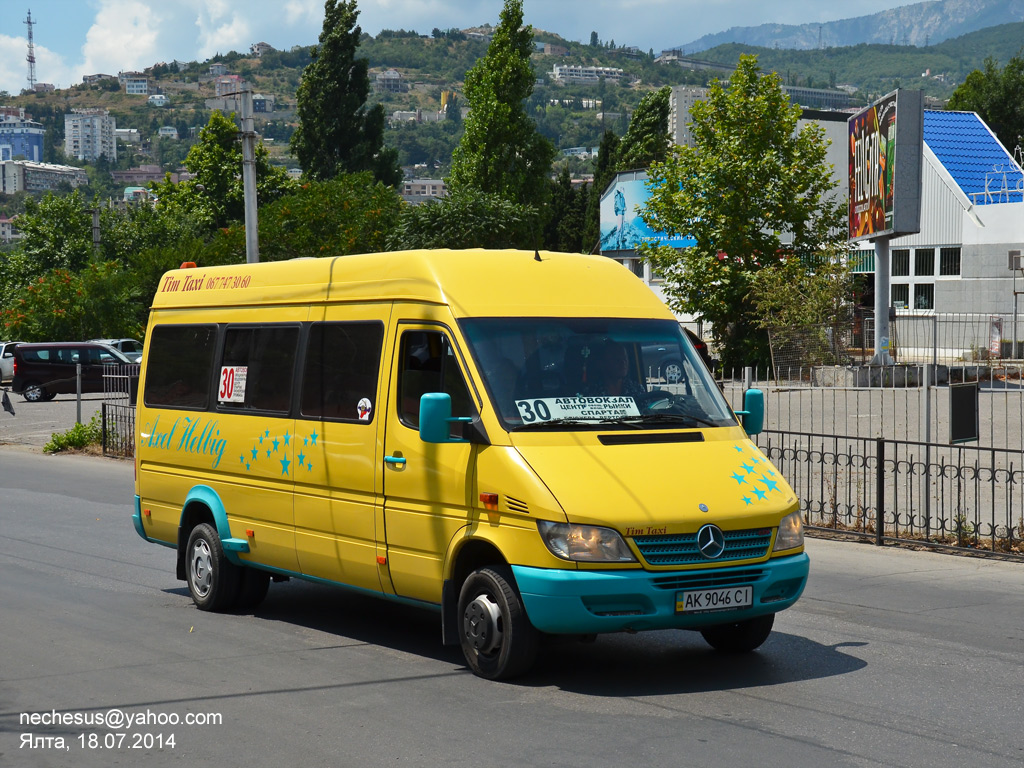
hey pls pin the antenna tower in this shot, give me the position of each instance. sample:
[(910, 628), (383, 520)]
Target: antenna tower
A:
[(31, 54)]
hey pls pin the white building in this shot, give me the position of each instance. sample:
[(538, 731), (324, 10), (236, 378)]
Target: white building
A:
[(168, 132), (135, 83), (89, 133), (26, 176), (158, 100), (577, 75)]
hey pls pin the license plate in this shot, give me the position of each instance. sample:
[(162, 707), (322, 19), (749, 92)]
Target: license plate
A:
[(708, 600)]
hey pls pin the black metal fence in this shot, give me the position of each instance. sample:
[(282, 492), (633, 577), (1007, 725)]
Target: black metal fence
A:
[(118, 430), (875, 456), (120, 386)]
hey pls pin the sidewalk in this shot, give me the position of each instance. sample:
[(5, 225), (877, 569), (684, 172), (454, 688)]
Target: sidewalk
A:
[(34, 423)]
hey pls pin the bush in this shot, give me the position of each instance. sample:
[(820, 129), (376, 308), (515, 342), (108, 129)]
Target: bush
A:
[(79, 436)]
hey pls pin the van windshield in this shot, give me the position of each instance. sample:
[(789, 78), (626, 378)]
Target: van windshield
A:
[(573, 373)]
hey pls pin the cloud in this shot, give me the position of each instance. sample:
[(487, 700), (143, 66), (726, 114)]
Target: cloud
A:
[(124, 36)]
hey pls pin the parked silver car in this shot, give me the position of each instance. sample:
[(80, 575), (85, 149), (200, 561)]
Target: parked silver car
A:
[(7, 360), (130, 348)]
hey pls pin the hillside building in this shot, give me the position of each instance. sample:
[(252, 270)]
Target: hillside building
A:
[(21, 138), (134, 83), (26, 176), (577, 75), (89, 134)]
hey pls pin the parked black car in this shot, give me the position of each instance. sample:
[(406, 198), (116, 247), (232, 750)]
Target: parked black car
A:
[(42, 371)]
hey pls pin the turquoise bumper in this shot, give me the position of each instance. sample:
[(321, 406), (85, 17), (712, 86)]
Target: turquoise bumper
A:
[(590, 602)]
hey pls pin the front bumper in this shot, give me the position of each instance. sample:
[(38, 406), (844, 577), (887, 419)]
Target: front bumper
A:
[(590, 602)]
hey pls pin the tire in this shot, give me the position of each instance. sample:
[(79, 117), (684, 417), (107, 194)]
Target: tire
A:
[(213, 582), (672, 371), (497, 638), (35, 393), (740, 636), (252, 589)]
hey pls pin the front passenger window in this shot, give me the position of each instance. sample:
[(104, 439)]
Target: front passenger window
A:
[(429, 364)]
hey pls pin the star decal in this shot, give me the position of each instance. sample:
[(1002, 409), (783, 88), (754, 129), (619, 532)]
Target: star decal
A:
[(284, 465), (302, 458), (275, 444), (747, 500), (255, 453), (738, 449), (760, 494), (750, 469), (773, 485), (313, 437), (738, 477)]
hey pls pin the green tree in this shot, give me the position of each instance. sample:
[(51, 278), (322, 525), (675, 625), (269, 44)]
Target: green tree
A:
[(215, 194), (998, 97), (604, 172), (465, 219), (57, 233), (646, 140), (501, 151), (337, 133), (566, 209), (751, 192), (97, 302)]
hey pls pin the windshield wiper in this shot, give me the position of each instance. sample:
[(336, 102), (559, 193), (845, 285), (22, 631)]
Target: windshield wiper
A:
[(665, 418), (552, 423)]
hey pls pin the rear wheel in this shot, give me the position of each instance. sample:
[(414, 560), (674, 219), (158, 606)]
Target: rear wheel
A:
[(35, 393), (497, 638), (740, 636), (212, 581)]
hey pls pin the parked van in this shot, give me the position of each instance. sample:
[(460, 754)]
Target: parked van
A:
[(43, 371), (472, 431)]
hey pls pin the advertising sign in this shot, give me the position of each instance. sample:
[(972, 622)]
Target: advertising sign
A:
[(622, 229), (885, 162)]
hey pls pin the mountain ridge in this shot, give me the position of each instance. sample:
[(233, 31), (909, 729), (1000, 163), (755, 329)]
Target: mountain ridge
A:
[(919, 24)]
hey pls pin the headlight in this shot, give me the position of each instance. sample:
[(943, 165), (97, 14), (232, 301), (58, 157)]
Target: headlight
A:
[(791, 532), (584, 543)]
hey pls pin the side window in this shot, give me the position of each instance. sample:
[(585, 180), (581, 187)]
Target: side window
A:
[(428, 364), (339, 378), (180, 366), (257, 366)]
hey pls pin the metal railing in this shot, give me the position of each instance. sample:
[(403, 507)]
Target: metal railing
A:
[(118, 433), (872, 455)]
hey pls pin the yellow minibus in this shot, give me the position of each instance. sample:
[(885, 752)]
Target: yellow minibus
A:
[(486, 433)]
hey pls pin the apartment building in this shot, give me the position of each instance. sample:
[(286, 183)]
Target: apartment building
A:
[(89, 133)]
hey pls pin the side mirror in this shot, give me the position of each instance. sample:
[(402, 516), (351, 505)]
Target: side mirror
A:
[(436, 418), (752, 414)]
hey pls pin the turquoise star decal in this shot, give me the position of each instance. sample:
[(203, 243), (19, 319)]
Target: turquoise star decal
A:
[(275, 444), (284, 465), (750, 469), (267, 433), (310, 466), (747, 500), (738, 477), (268, 453), (302, 458), (738, 449), (772, 484), (313, 437), (261, 439), (760, 494), (255, 453), (241, 459), (286, 438), (305, 441)]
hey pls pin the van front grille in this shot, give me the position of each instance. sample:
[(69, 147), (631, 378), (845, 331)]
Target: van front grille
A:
[(681, 549)]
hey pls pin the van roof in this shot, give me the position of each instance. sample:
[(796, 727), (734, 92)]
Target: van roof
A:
[(474, 283)]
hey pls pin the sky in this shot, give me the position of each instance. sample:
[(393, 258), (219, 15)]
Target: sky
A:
[(73, 38)]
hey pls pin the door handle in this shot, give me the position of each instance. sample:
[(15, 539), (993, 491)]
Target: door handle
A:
[(394, 459)]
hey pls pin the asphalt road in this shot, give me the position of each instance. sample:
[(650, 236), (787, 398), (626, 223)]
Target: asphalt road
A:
[(892, 658), (34, 423)]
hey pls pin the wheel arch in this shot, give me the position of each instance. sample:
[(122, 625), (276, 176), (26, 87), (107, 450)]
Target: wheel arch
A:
[(465, 555), (202, 505)]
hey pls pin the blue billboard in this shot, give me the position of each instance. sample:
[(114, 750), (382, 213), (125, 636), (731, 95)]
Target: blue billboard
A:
[(622, 228)]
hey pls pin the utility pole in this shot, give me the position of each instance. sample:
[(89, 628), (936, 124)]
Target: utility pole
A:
[(252, 245)]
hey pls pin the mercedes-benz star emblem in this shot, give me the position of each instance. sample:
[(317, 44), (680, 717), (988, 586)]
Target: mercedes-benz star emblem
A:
[(711, 541)]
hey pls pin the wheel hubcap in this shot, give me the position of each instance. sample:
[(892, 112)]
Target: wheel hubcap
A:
[(202, 568), (481, 624)]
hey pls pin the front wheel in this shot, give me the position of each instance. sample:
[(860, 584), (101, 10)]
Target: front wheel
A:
[(212, 581), (740, 636), (497, 638)]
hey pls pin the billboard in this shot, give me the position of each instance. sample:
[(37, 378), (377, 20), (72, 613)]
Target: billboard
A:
[(885, 162), (622, 229)]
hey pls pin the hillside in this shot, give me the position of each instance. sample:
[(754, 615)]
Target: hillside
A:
[(920, 24)]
